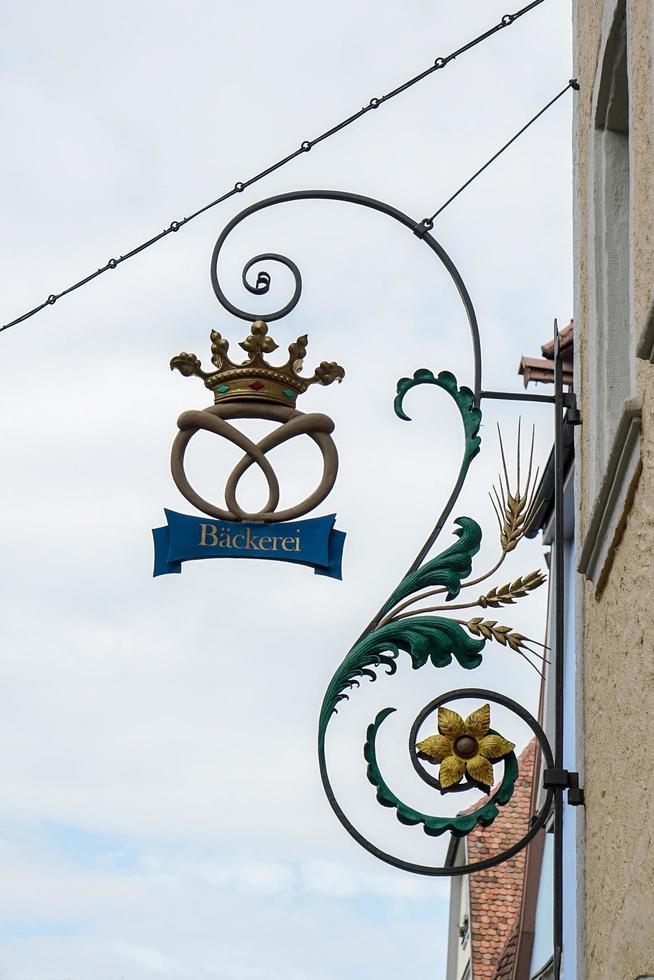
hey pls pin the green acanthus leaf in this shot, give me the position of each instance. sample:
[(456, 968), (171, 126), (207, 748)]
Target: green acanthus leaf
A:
[(447, 569), (458, 826), (422, 637), (464, 398)]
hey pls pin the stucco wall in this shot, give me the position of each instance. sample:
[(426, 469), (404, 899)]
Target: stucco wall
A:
[(616, 611)]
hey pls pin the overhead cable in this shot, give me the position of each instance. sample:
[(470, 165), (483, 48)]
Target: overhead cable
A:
[(428, 223), (304, 147)]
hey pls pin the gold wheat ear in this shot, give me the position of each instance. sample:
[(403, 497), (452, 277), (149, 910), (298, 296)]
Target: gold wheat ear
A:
[(515, 510), (505, 595), (506, 636)]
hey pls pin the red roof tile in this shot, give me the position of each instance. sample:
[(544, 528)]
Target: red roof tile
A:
[(536, 369), (496, 894), (566, 339), (506, 961)]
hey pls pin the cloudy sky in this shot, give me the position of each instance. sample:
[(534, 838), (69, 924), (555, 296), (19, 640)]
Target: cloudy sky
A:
[(161, 814)]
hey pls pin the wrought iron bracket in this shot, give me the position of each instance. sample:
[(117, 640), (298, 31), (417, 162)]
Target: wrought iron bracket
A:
[(569, 402), (437, 639), (564, 779)]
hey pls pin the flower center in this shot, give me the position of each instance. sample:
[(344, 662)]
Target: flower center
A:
[(465, 746)]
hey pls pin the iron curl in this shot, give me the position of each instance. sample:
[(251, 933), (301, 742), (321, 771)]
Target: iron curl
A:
[(261, 284)]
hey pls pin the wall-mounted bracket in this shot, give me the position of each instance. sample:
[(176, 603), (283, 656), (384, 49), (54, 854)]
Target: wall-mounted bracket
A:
[(563, 779)]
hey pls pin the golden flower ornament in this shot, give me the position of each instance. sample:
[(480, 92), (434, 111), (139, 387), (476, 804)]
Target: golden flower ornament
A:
[(465, 746)]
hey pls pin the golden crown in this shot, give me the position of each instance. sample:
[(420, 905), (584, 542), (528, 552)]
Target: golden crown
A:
[(255, 379)]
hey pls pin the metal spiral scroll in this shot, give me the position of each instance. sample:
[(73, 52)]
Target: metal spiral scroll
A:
[(434, 639), (262, 285)]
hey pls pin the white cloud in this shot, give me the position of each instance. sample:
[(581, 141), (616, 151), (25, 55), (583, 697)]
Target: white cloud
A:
[(265, 877), (335, 879), (150, 960)]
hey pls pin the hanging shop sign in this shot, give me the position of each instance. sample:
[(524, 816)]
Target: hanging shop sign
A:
[(254, 389), (315, 542), (453, 745)]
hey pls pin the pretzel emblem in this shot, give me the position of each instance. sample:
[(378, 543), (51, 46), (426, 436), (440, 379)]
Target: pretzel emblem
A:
[(293, 423)]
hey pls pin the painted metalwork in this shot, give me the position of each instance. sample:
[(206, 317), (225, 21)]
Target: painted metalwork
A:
[(216, 418), (463, 823), (466, 750), (255, 389), (256, 379), (465, 747)]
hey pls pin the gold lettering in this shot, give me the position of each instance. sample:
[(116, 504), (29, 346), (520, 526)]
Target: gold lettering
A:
[(225, 540), (286, 542), (274, 541), (208, 531), (235, 540), (250, 542), (264, 544)]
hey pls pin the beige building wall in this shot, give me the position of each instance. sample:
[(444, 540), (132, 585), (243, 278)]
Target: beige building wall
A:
[(614, 341)]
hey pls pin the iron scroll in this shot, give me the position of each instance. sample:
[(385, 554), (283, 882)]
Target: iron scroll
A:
[(426, 638)]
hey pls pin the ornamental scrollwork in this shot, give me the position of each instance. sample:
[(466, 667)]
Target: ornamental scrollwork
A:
[(469, 752)]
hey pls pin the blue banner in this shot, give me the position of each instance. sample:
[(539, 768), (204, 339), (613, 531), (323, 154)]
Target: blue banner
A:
[(314, 542)]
